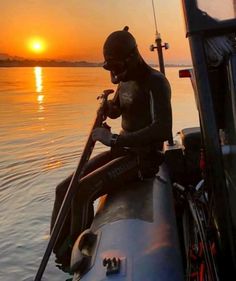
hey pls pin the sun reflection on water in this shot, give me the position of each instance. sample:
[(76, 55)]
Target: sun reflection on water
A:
[(39, 88), (39, 81), (40, 98)]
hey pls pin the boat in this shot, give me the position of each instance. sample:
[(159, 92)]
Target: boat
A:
[(179, 225)]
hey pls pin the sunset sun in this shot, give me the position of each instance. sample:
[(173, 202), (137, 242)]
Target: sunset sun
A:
[(36, 45)]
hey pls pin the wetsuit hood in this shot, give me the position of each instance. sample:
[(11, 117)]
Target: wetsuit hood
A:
[(119, 45), (121, 55)]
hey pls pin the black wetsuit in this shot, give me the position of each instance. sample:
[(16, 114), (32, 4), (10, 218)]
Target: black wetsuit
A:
[(144, 104), (145, 107)]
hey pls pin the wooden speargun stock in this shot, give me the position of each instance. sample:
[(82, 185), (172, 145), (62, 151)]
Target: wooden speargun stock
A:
[(65, 207)]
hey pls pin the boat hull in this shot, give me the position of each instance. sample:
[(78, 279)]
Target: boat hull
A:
[(136, 236)]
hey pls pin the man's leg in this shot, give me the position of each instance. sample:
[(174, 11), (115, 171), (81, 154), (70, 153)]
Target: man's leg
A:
[(60, 192), (112, 176), (105, 179)]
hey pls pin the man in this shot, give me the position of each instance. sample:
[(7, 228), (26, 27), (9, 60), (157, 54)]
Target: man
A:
[(142, 100)]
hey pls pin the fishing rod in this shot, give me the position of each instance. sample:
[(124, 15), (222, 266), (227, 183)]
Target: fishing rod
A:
[(158, 44), (73, 187)]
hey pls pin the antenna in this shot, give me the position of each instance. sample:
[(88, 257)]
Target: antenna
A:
[(158, 43), (154, 15)]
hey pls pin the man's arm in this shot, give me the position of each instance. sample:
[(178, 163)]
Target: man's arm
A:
[(113, 106)]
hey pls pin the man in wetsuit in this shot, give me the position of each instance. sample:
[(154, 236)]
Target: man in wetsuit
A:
[(142, 100)]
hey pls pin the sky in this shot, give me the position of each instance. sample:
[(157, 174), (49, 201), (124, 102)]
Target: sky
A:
[(77, 29)]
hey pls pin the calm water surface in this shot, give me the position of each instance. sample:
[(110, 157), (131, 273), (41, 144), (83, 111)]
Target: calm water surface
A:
[(45, 117)]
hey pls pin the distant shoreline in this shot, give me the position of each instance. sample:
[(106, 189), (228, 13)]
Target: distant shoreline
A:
[(32, 63), (46, 63)]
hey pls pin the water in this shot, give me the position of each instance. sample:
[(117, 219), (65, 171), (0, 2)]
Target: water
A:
[(45, 117)]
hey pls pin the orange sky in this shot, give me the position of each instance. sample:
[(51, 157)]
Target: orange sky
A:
[(76, 29)]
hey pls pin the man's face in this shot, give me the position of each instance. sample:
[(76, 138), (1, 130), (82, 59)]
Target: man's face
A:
[(117, 68)]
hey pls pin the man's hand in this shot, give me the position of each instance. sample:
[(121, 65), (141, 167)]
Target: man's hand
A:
[(103, 135), (102, 111)]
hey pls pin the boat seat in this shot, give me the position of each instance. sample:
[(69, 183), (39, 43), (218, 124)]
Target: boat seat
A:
[(191, 140), (183, 159)]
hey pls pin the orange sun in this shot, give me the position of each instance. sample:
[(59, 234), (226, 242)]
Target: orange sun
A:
[(36, 45)]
